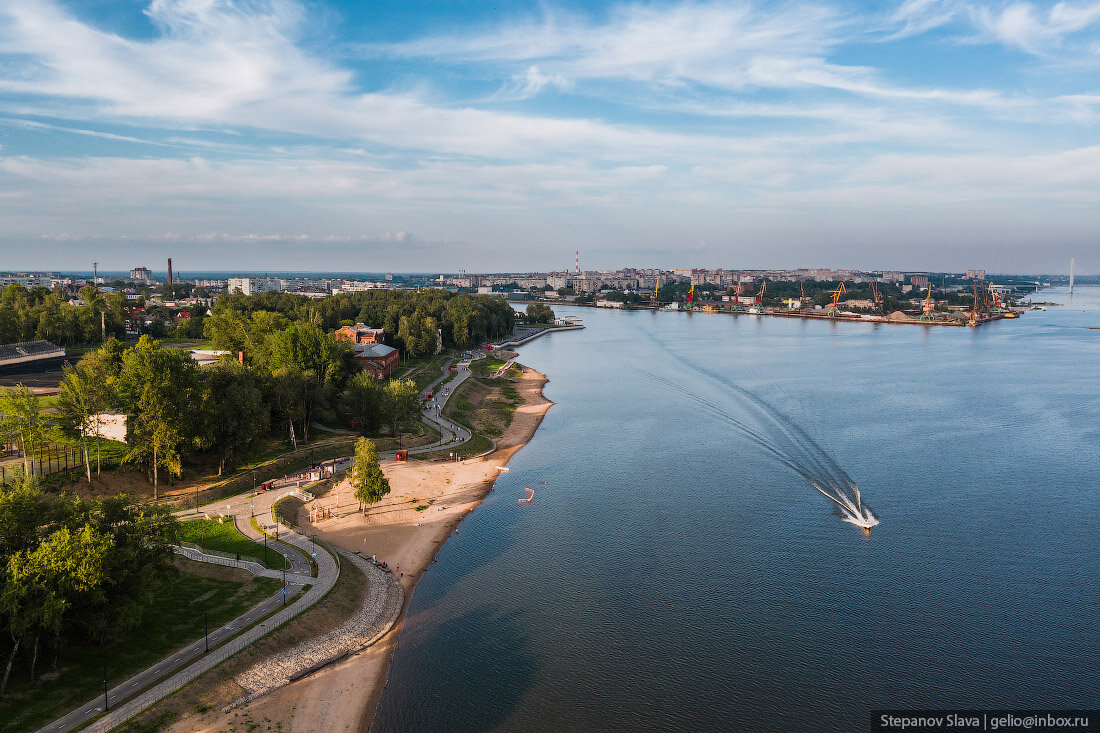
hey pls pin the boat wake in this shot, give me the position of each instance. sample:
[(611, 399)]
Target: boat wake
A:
[(852, 509), (781, 436)]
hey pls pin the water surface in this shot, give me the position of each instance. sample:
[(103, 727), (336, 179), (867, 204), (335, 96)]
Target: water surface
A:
[(675, 572)]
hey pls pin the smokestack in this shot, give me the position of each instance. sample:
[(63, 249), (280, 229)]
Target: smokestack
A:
[(169, 270), (1072, 265), (240, 357)]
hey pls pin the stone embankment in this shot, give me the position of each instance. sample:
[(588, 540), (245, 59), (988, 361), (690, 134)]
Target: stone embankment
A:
[(376, 616)]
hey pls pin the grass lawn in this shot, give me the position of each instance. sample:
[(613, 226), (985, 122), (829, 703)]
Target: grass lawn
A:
[(484, 405), (173, 622), (210, 534), (488, 367)]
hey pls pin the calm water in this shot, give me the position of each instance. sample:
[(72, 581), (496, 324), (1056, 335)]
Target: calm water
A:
[(675, 572)]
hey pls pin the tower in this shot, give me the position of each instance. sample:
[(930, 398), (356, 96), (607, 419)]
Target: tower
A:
[(578, 263), (169, 270), (1072, 262)]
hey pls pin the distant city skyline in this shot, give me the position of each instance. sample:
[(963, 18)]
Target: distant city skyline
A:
[(422, 136)]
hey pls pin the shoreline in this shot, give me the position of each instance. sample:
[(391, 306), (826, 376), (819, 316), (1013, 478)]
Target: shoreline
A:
[(345, 696)]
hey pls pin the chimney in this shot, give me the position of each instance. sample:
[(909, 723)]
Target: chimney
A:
[(240, 357), (169, 270)]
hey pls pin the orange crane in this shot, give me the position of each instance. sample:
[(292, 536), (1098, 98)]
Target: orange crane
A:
[(691, 294), (833, 309), (928, 309)]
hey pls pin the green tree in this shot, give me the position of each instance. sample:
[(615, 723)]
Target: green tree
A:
[(21, 419), (306, 348), (285, 390), (419, 333), (234, 406), (82, 398), (366, 477), (40, 585), (539, 313), (400, 401), (159, 389), (364, 399)]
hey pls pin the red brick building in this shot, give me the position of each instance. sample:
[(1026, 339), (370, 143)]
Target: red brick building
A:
[(379, 360), (360, 334)]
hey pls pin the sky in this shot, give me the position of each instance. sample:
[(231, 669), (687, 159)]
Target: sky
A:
[(430, 135)]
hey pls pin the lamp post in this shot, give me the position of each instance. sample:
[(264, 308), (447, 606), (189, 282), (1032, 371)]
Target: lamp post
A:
[(265, 547), (202, 536), (284, 585), (206, 631), (105, 708)]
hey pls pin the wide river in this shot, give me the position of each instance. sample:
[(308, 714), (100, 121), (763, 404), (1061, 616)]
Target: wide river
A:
[(677, 571)]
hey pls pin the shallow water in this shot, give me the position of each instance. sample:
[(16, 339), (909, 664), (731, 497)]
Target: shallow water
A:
[(676, 571)]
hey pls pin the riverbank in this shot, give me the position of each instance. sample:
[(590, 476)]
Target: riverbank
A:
[(427, 501)]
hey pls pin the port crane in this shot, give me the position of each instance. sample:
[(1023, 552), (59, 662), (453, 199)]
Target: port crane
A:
[(691, 295), (833, 309), (876, 297), (928, 309), (802, 293), (737, 293), (998, 304), (758, 301)]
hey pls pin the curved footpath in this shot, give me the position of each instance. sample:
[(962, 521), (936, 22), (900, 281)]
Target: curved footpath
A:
[(378, 614)]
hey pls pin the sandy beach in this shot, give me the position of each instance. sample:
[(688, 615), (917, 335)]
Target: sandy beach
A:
[(343, 696)]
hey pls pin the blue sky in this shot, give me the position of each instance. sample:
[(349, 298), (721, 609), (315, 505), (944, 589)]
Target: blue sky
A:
[(434, 136)]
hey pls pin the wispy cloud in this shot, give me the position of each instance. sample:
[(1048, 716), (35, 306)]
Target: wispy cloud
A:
[(1036, 30)]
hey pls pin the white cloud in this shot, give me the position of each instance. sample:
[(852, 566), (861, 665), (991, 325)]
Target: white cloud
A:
[(1029, 28), (914, 17)]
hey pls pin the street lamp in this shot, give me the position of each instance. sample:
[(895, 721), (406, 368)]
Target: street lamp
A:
[(206, 631), (284, 585), (265, 547)]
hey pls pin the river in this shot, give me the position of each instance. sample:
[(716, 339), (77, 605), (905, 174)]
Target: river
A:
[(676, 571)]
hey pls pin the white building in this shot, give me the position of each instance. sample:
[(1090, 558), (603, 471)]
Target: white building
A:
[(253, 285), (27, 280)]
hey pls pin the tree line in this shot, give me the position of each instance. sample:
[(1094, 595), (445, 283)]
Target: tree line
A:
[(39, 314), (411, 320), (75, 570)]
